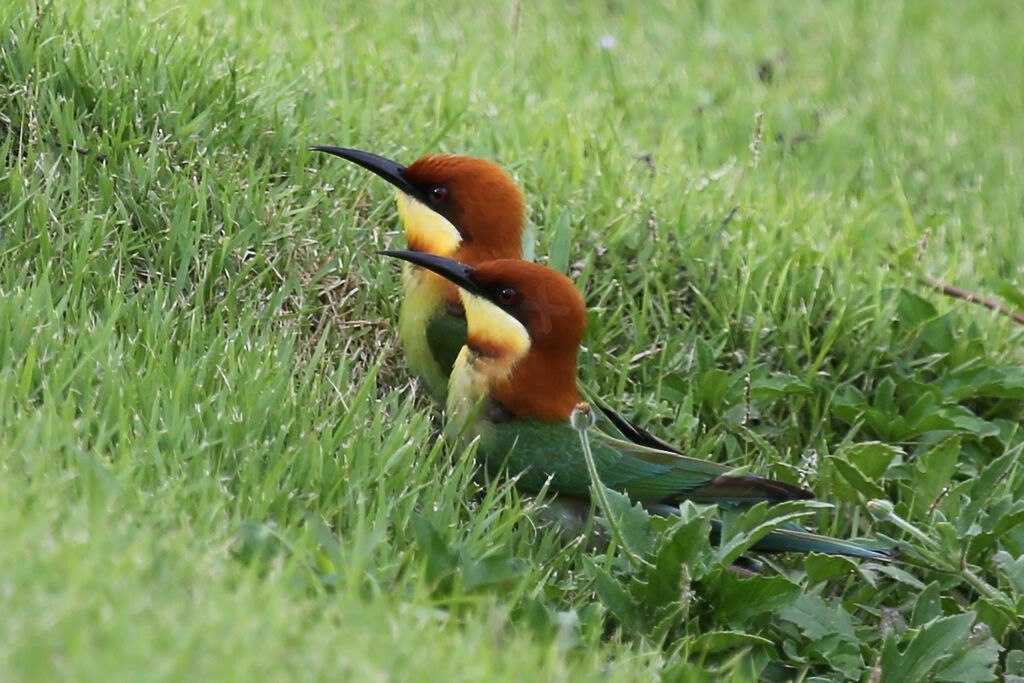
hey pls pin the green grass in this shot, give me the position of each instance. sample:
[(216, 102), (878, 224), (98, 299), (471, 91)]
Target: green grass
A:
[(214, 464)]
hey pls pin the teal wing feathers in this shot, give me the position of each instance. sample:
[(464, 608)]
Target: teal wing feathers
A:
[(543, 451)]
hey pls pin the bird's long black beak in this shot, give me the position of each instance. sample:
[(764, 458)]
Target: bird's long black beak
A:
[(389, 170), (457, 272)]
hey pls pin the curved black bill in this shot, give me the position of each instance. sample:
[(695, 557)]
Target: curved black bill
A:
[(457, 272), (389, 170)]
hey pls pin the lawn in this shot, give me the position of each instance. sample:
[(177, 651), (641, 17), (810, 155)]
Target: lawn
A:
[(215, 465)]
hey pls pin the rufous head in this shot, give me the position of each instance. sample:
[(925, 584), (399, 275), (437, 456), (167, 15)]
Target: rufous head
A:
[(455, 206), (525, 319)]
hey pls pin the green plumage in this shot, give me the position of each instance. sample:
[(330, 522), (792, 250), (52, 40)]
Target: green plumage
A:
[(446, 335), (632, 461), (542, 450)]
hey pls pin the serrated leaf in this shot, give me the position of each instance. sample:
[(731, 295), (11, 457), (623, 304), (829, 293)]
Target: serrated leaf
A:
[(972, 659), (998, 524), (964, 419), (934, 472), (614, 596), (885, 398), (849, 404), (998, 382), (712, 387), (872, 458), (735, 599), (900, 575), (741, 529), (929, 646), (855, 479), (984, 486), (1015, 663), (687, 544), (830, 630), (633, 521)]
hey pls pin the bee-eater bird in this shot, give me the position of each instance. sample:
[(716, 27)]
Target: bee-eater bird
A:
[(513, 389), (454, 206)]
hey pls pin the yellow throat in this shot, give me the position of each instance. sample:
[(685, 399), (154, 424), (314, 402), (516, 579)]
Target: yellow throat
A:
[(427, 231), (499, 341)]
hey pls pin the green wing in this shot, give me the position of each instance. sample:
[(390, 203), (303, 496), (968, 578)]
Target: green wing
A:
[(539, 451)]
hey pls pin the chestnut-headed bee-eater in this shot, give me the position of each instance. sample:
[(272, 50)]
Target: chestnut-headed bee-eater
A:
[(460, 207), (513, 389)]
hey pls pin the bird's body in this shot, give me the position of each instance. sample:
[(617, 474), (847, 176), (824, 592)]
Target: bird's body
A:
[(513, 389)]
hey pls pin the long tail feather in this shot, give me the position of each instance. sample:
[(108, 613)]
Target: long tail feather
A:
[(750, 488), (793, 538)]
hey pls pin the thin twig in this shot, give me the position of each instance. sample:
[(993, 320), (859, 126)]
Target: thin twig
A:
[(956, 292)]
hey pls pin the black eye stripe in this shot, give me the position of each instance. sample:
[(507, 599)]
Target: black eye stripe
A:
[(438, 194)]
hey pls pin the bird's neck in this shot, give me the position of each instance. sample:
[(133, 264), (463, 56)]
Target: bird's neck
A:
[(486, 387), (542, 387)]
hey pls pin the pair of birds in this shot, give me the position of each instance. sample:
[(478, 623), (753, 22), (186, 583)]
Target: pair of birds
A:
[(495, 339)]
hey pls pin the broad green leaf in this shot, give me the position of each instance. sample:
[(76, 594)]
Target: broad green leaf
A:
[(1015, 663), (927, 606), (687, 544), (824, 567), (741, 529), (939, 335), (914, 310), (1011, 569), (712, 387)]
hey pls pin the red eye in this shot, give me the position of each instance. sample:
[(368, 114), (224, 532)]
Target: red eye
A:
[(508, 296), (439, 194)]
